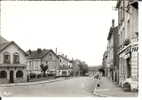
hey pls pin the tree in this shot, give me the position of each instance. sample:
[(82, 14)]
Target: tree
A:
[(44, 69), (83, 68)]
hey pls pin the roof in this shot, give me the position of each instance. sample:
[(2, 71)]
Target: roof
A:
[(64, 58), (118, 3), (34, 54), (7, 44), (4, 44), (2, 40)]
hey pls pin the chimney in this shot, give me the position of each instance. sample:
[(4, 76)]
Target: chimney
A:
[(113, 23)]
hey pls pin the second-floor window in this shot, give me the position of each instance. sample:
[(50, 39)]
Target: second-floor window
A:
[(50, 56), (6, 58), (16, 59)]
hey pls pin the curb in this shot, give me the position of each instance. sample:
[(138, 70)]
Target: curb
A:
[(100, 95), (31, 83)]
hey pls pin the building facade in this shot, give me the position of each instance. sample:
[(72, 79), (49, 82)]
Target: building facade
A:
[(128, 42), (111, 56), (12, 62), (104, 63), (65, 68), (46, 57)]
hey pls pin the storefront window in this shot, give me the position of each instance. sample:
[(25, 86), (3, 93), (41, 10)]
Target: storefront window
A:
[(19, 74), (3, 74)]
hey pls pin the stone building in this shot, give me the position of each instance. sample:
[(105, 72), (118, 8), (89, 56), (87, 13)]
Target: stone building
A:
[(128, 42), (46, 57), (12, 62), (112, 57)]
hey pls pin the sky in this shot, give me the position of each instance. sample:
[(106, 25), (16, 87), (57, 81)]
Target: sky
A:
[(77, 29)]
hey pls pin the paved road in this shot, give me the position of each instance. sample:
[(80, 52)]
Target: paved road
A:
[(79, 86)]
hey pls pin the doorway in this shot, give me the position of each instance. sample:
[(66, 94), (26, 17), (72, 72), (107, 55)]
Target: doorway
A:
[(128, 67), (11, 77)]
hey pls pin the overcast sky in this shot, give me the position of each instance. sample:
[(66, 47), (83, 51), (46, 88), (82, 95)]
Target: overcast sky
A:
[(77, 29)]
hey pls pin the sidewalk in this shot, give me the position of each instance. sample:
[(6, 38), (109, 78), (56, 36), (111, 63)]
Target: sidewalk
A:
[(109, 89), (32, 83)]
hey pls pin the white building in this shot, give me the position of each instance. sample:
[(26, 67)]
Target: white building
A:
[(12, 62), (128, 42)]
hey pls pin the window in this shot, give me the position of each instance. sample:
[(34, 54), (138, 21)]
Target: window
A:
[(19, 74), (3, 74), (16, 58), (50, 56), (128, 29), (30, 63), (128, 68), (6, 58)]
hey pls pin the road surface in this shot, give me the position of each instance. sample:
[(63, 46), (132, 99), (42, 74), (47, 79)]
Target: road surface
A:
[(76, 87)]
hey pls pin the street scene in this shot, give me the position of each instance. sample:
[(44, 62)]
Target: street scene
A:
[(60, 49)]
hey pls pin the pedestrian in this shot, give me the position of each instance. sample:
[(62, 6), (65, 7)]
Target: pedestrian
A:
[(97, 79)]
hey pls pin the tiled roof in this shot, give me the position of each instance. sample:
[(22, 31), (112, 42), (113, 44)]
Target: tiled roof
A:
[(63, 57), (2, 40), (4, 45), (36, 55)]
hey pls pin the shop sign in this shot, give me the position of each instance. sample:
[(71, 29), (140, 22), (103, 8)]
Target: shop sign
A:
[(134, 49)]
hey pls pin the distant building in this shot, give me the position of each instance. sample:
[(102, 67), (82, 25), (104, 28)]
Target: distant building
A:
[(128, 42), (104, 63), (12, 62), (65, 68), (93, 70), (112, 49), (46, 57)]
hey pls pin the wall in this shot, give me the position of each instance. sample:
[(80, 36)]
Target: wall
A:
[(12, 49)]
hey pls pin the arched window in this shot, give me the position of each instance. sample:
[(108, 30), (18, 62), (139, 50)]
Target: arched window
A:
[(6, 57), (19, 74), (3, 74), (16, 59)]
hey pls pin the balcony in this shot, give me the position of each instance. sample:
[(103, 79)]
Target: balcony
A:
[(12, 65)]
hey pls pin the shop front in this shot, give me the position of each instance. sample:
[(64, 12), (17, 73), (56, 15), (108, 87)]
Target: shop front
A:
[(128, 66), (12, 73)]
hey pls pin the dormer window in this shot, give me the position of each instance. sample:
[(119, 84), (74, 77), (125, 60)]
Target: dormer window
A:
[(16, 59), (6, 58)]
